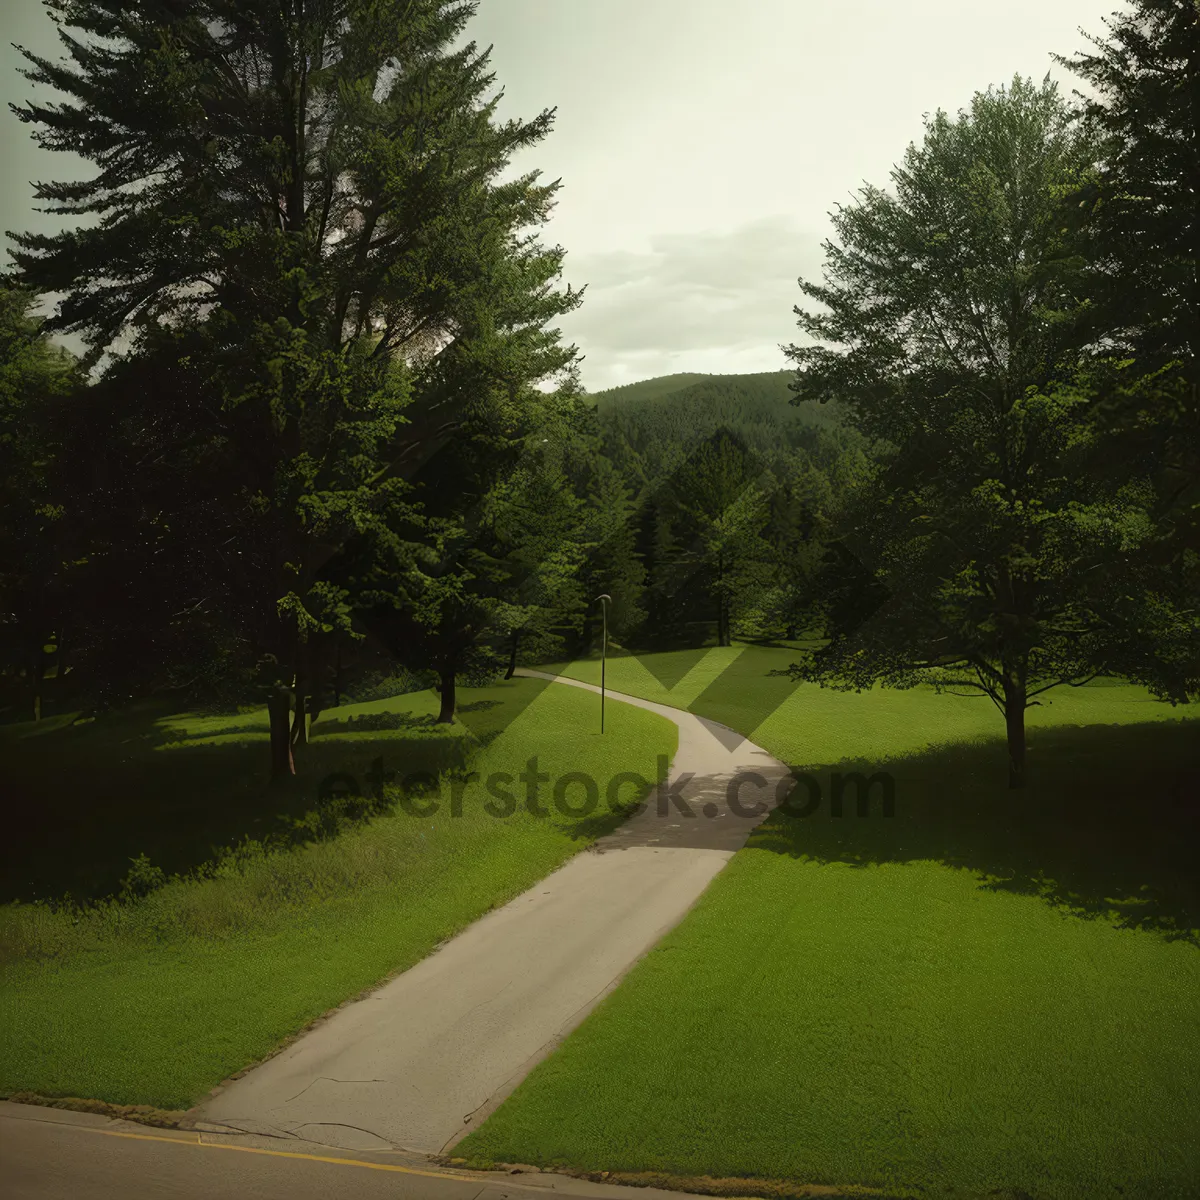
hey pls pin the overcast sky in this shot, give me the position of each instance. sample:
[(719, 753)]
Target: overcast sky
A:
[(701, 145)]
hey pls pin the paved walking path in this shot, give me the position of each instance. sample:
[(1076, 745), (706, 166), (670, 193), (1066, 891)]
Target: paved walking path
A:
[(430, 1054)]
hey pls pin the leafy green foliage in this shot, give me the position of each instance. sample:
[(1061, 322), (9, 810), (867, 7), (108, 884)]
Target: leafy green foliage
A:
[(1141, 220), (981, 522), (659, 435), (36, 378), (305, 196)]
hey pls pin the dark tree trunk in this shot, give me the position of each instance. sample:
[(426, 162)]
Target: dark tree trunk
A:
[(279, 707), (1014, 719), (37, 672), (446, 689), (300, 687), (284, 695), (512, 656), (722, 622), (337, 672), (299, 735), (722, 605), (790, 633), (315, 691)]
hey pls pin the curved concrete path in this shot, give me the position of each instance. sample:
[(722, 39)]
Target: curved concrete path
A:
[(429, 1055)]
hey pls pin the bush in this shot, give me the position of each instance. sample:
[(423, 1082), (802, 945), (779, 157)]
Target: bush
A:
[(142, 879)]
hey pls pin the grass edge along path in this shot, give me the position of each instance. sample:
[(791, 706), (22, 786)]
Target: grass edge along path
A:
[(161, 1025), (893, 1027)]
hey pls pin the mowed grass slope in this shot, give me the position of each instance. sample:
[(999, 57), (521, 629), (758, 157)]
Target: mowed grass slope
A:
[(987, 994), (156, 1001)]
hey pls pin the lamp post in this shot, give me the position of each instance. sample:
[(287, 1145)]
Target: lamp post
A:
[(604, 602)]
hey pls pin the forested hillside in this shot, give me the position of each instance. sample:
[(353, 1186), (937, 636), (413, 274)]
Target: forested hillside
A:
[(726, 483), (651, 389), (681, 408)]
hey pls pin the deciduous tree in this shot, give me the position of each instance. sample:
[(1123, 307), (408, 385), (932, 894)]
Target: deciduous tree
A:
[(984, 521)]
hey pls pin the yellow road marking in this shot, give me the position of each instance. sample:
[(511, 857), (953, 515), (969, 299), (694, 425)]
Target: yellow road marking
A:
[(342, 1162)]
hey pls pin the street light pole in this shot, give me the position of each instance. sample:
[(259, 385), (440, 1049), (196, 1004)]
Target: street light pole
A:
[(604, 601)]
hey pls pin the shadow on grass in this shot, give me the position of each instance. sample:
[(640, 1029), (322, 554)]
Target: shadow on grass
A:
[(1108, 826), (85, 798), (83, 801), (373, 722), (599, 824)]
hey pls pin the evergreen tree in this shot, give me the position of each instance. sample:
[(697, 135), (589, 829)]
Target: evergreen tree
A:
[(613, 565), (36, 379), (1141, 215), (1143, 207), (308, 185), (798, 498), (494, 511), (710, 553)]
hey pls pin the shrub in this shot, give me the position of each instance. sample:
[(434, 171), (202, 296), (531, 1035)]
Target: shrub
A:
[(142, 879)]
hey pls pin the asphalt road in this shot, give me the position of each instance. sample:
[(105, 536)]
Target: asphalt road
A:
[(429, 1055), (52, 1154)]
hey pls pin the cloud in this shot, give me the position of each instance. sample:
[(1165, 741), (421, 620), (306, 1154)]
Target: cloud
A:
[(701, 300), (716, 302)]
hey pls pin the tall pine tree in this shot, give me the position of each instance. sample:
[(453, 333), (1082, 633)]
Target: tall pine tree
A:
[(310, 186), (494, 510), (1141, 216), (37, 380)]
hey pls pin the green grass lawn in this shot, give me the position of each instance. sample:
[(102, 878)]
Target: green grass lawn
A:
[(156, 1001), (87, 797), (806, 725), (990, 993)]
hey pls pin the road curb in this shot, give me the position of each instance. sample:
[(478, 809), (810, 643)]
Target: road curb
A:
[(142, 1114)]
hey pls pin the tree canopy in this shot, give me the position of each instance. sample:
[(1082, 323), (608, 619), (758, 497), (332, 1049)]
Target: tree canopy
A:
[(955, 306)]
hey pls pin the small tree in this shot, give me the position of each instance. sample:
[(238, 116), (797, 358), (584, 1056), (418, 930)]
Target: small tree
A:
[(508, 568), (799, 498), (496, 519), (607, 533)]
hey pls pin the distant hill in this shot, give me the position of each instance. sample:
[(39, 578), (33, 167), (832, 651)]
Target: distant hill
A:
[(758, 396), (651, 426), (651, 389)]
